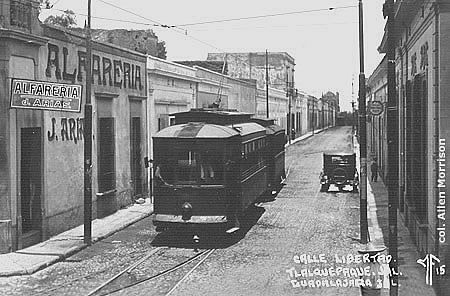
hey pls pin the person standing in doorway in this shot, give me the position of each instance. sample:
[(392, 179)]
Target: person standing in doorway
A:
[(374, 170)]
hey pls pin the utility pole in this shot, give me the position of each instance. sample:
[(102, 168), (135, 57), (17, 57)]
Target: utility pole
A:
[(267, 84), (353, 118), (288, 94), (313, 115), (392, 146), (362, 133), (323, 114), (87, 128)]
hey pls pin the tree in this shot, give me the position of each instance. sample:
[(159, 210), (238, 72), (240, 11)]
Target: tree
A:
[(161, 50), (66, 19)]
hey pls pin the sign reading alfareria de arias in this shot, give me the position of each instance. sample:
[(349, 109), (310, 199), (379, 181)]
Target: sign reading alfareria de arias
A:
[(42, 95)]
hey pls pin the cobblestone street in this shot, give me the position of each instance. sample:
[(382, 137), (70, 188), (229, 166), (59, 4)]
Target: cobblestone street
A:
[(301, 220)]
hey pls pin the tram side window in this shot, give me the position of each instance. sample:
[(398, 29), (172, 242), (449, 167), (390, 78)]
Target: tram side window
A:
[(252, 155), (199, 167)]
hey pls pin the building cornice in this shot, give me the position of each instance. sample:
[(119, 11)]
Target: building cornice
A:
[(215, 83), (22, 36), (172, 74)]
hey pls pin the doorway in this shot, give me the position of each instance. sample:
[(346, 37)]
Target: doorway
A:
[(30, 186), (136, 167)]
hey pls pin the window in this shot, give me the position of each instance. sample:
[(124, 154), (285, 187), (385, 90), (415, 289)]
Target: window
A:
[(163, 121), (340, 160), (190, 166)]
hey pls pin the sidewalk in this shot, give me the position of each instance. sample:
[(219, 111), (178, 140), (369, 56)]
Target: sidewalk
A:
[(412, 275), (305, 136), (63, 245)]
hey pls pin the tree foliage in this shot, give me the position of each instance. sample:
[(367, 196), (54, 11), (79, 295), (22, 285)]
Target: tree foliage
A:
[(66, 19), (161, 50)]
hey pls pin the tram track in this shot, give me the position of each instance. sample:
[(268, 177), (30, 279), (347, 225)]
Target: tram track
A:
[(129, 277), (109, 287)]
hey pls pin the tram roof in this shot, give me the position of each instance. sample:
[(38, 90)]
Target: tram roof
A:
[(269, 124), (248, 128), (263, 121), (197, 130), (273, 129), (211, 115), (207, 130)]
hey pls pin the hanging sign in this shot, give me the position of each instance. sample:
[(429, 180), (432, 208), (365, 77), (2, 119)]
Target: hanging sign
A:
[(42, 95), (375, 107)]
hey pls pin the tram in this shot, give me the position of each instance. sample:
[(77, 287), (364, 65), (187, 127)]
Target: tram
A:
[(212, 164)]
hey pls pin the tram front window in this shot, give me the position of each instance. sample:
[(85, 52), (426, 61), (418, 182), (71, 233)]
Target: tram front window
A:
[(194, 168)]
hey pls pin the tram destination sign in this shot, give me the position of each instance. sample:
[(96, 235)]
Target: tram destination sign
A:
[(43, 95), (375, 107)]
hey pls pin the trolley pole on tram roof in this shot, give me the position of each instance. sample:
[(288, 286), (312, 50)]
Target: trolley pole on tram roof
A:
[(392, 146), (88, 137), (362, 133)]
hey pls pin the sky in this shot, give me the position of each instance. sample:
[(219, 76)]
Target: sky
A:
[(323, 42)]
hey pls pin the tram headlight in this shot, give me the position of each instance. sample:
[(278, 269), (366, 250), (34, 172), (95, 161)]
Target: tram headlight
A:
[(186, 211)]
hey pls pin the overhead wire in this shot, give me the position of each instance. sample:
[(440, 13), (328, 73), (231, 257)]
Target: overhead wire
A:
[(273, 27), (265, 15), (138, 15), (177, 28), (224, 20), (201, 29)]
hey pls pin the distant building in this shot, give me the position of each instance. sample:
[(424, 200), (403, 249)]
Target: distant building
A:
[(233, 93), (332, 100), (252, 65)]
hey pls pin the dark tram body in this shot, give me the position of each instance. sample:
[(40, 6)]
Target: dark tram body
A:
[(212, 164)]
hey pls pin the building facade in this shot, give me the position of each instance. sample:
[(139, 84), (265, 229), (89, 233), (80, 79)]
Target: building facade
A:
[(42, 100), (422, 79), (376, 90), (171, 88), (242, 95), (278, 105), (332, 100), (252, 65), (213, 89)]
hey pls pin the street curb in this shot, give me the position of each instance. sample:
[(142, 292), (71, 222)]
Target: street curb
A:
[(304, 137), (73, 250)]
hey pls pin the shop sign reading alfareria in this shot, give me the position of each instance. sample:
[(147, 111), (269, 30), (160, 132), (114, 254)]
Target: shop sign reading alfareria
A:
[(42, 95)]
